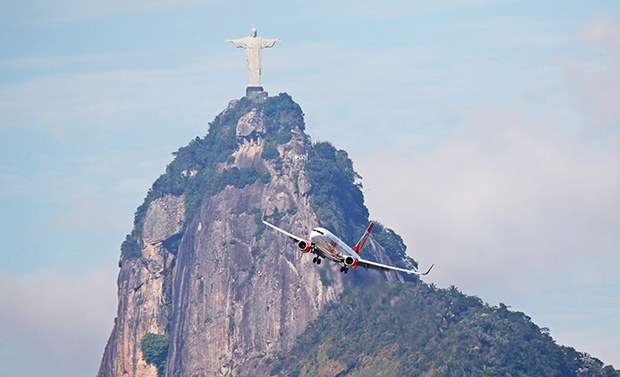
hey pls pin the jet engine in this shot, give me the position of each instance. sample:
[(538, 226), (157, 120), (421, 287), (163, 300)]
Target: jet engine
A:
[(350, 262), (304, 246)]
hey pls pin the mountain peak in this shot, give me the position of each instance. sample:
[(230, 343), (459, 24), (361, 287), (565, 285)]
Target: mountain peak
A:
[(206, 290), (199, 266)]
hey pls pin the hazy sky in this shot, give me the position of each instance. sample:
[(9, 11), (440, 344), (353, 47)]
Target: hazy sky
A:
[(487, 133)]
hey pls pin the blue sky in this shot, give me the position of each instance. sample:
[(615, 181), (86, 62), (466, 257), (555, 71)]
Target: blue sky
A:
[(487, 133)]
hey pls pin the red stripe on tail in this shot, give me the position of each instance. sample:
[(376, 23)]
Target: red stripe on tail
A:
[(358, 248)]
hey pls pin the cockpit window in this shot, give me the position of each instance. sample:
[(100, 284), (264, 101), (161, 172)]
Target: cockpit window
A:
[(319, 232)]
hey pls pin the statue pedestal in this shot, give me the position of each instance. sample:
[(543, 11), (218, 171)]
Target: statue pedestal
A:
[(252, 89)]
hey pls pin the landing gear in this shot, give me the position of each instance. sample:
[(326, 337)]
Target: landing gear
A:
[(316, 260), (344, 269)]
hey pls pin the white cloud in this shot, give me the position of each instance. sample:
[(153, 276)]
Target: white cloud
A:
[(602, 30), (505, 177), (518, 202), (598, 75), (513, 200), (59, 323), (512, 217)]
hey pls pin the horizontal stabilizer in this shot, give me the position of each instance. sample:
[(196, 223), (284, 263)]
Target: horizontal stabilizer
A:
[(429, 270)]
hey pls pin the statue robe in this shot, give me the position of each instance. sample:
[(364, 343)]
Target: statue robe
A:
[(253, 45)]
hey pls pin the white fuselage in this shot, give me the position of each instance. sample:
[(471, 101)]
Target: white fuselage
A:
[(325, 245), (331, 246)]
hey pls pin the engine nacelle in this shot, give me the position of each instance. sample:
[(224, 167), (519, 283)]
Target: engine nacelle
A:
[(304, 246), (350, 262)]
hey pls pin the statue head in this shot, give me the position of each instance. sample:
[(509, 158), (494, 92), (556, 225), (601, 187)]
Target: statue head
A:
[(253, 33)]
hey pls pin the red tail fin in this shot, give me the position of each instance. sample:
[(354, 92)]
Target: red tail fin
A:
[(358, 248)]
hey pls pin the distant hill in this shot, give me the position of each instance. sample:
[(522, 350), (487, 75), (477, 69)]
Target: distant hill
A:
[(205, 290), (414, 329)]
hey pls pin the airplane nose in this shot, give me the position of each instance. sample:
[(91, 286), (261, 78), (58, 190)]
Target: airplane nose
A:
[(313, 235)]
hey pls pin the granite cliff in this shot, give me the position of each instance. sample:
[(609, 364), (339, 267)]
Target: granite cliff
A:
[(205, 290), (199, 265)]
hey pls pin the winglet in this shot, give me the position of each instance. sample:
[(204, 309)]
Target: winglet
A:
[(263, 217), (429, 270)]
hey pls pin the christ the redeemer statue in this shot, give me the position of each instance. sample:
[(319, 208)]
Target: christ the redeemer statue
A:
[(253, 45)]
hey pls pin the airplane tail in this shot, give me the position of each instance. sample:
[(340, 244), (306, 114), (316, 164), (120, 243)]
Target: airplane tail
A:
[(358, 248)]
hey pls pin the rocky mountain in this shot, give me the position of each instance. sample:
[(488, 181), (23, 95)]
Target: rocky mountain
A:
[(200, 266), (205, 290)]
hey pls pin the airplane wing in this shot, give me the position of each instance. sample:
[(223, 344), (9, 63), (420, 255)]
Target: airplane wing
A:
[(291, 236), (383, 267)]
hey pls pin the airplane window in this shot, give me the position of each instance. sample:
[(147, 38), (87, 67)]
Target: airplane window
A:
[(319, 232)]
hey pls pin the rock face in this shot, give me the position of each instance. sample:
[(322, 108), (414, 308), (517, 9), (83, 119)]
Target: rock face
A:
[(251, 124), (227, 290), (163, 219), (237, 296), (143, 291)]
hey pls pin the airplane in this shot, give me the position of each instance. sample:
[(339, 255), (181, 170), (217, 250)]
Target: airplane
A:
[(324, 244)]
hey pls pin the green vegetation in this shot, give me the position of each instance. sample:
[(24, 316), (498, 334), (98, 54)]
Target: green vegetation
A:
[(394, 247), (382, 329), (282, 115), (413, 329), (270, 152), (130, 248), (339, 202), (325, 280), (194, 172), (155, 351), (338, 199)]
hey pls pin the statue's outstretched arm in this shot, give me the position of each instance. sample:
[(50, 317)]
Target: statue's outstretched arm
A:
[(237, 42), (269, 42)]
